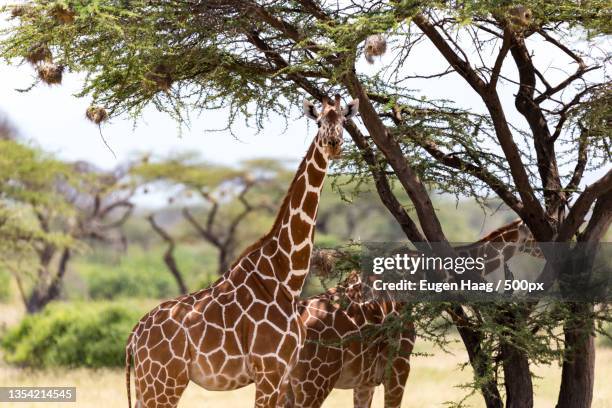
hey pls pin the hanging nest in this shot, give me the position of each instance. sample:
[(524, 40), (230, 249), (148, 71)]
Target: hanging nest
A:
[(21, 10), (519, 18), (50, 73), (160, 76), (249, 179), (96, 114), (63, 14), (323, 262), (38, 53), (375, 46)]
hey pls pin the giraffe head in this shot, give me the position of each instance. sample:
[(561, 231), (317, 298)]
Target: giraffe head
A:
[(527, 242), (331, 122)]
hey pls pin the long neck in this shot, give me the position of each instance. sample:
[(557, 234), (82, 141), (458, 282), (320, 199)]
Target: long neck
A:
[(497, 247), (284, 252)]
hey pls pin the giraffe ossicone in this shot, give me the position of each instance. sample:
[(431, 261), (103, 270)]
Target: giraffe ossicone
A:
[(245, 327)]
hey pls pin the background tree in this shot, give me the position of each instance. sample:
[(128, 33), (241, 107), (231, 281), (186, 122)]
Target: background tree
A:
[(240, 54), (47, 210), (216, 202)]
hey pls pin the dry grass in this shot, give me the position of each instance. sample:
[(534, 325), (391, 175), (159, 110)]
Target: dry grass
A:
[(433, 381)]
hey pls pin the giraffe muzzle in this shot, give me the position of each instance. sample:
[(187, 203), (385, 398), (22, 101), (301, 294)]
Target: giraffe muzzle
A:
[(334, 148)]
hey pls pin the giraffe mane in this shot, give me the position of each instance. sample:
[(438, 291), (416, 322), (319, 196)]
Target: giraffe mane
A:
[(498, 231)]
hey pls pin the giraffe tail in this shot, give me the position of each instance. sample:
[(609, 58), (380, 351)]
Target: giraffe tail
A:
[(128, 361)]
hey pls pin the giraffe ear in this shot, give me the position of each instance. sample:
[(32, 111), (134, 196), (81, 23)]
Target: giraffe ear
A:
[(351, 109), (310, 111)]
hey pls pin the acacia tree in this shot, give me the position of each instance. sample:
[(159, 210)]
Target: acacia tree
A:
[(48, 209), (238, 54), (228, 198)]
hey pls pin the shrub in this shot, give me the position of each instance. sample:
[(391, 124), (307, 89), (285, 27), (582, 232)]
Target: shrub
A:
[(142, 273), (115, 283), (606, 341), (138, 275), (75, 334), (5, 286)]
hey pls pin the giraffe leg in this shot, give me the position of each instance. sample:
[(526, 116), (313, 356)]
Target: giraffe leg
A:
[(315, 376), (162, 390), (362, 396), (286, 399), (312, 394), (267, 389), (395, 381), (160, 375), (270, 381)]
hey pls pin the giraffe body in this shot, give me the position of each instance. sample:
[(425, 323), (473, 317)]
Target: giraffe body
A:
[(245, 328), (344, 350), (341, 350)]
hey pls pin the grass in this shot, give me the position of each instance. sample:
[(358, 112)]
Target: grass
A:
[(433, 381)]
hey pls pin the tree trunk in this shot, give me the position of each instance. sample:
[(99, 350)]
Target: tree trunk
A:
[(44, 293), (169, 255), (578, 371), (174, 270), (479, 360), (519, 388), (515, 362), (225, 258)]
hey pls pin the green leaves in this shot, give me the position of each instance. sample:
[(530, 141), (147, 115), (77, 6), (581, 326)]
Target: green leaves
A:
[(86, 335)]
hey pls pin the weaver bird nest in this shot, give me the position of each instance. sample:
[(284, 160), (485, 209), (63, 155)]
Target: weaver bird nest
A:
[(375, 46), (160, 76), (519, 18), (50, 73), (96, 114), (323, 261), (38, 53), (21, 10), (62, 14)]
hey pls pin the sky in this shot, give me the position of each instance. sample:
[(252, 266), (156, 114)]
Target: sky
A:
[(53, 118)]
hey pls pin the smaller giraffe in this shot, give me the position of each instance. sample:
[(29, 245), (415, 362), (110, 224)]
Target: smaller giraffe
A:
[(344, 350)]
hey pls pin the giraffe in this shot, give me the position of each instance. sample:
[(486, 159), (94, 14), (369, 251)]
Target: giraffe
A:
[(344, 350), (244, 328)]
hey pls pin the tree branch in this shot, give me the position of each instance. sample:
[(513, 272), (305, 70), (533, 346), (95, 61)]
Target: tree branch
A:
[(169, 259), (533, 213), (581, 207)]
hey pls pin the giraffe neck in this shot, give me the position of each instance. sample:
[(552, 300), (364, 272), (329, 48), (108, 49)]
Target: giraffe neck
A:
[(497, 247), (283, 254)]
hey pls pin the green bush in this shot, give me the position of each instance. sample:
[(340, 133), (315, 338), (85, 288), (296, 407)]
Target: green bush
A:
[(72, 334), (108, 284), (137, 275), (5, 286), (606, 341), (141, 273)]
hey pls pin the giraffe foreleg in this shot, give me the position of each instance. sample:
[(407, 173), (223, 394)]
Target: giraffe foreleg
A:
[(270, 377), (362, 396), (315, 375), (395, 381)]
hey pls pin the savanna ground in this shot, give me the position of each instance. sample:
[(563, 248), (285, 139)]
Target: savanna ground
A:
[(434, 380)]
